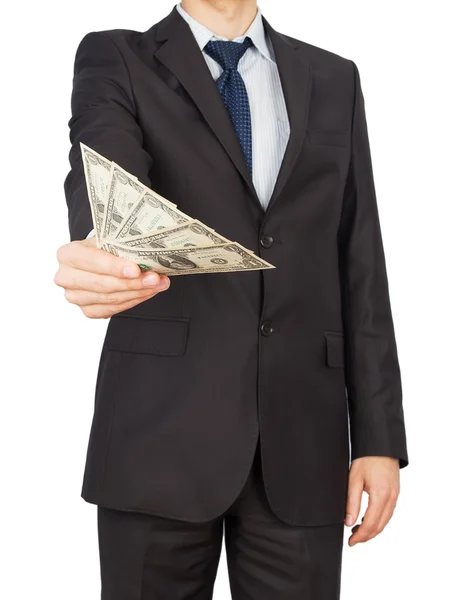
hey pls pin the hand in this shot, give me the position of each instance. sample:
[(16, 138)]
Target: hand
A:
[(102, 284), (379, 476)]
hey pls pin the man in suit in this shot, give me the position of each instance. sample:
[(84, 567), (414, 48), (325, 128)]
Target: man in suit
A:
[(229, 400)]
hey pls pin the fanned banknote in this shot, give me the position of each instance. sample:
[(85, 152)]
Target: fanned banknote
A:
[(185, 261), (150, 213), (135, 222), (192, 233), (97, 171), (123, 193)]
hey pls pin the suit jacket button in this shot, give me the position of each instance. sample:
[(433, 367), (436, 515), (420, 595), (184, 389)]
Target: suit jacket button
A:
[(266, 241), (267, 329)]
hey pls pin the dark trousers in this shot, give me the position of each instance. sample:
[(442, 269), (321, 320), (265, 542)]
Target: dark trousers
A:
[(145, 557)]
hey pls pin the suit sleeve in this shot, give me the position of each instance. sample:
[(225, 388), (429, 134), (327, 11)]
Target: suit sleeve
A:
[(103, 118), (373, 379)]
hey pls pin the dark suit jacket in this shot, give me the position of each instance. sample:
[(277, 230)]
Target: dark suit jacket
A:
[(189, 379)]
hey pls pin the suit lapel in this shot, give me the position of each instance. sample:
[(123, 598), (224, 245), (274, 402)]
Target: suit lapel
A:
[(296, 79), (181, 55)]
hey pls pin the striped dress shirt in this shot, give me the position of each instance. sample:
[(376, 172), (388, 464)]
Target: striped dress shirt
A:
[(270, 124)]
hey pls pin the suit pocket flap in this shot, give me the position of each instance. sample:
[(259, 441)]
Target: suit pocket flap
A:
[(145, 335), (335, 349)]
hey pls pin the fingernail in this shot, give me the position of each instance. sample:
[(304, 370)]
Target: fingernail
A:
[(349, 520), (150, 280), (130, 271)]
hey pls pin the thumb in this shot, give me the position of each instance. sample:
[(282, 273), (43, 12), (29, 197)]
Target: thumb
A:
[(354, 499)]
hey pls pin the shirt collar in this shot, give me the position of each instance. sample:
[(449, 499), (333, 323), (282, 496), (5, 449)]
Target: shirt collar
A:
[(256, 32)]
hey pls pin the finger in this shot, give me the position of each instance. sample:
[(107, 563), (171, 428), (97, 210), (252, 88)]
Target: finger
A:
[(85, 257), (354, 500), (369, 527), (75, 279), (90, 241), (85, 298), (104, 311)]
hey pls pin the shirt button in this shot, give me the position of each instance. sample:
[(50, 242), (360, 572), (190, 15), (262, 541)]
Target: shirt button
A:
[(266, 241), (267, 329)]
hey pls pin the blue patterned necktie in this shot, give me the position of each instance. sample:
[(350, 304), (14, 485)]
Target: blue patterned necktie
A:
[(233, 91)]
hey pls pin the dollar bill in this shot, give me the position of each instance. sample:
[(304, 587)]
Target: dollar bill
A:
[(136, 223), (122, 194), (184, 261), (97, 172), (150, 213), (193, 233)]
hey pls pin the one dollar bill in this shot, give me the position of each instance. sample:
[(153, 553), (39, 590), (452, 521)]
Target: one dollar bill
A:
[(186, 235), (97, 171), (122, 194), (150, 213), (185, 261)]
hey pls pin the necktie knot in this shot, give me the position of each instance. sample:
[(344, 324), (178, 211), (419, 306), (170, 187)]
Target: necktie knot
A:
[(227, 54)]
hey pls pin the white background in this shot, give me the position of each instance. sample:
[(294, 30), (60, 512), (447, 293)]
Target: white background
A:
[(408, 61)]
